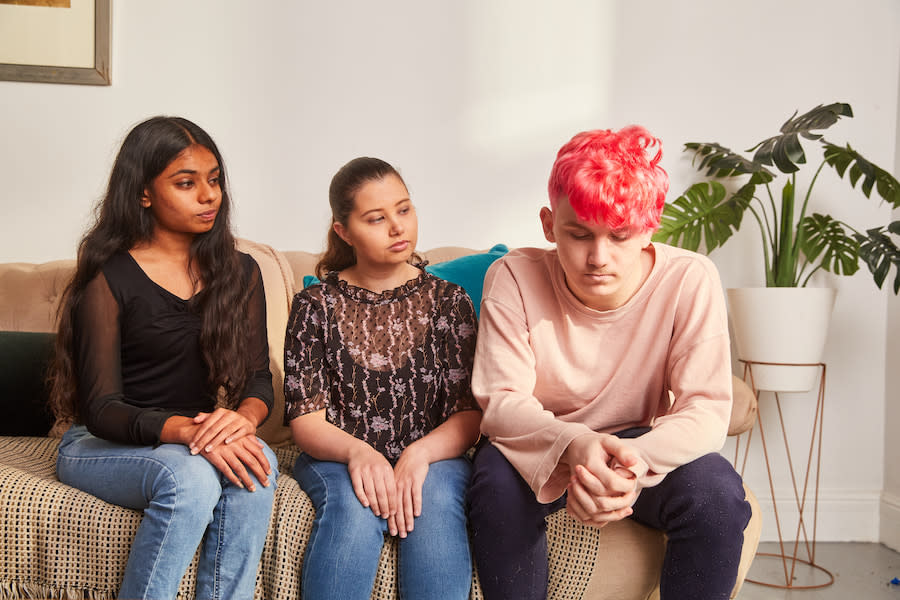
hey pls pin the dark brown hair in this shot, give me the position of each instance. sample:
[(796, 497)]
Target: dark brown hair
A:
[(339, 255)]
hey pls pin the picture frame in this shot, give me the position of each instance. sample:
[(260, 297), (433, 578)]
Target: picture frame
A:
[(97, 74)]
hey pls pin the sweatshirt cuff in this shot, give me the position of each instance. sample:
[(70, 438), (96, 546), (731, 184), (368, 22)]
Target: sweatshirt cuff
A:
[(551, 478)]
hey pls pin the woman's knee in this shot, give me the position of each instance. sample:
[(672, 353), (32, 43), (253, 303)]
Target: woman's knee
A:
[(178, 478), (445, 486), (271, 478), (138, 477), (329, 488)]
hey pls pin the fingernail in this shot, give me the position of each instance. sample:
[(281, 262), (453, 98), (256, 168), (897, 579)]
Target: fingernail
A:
[(193, 450), (208, 448), (252, 488)]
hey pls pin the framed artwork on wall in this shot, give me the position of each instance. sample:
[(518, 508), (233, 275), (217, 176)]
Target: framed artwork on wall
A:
[(55, 41)]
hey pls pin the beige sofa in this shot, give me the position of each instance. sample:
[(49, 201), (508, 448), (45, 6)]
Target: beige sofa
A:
[(58, 542)]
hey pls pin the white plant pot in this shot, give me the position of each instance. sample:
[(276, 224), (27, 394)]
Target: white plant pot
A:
[(781, 325)]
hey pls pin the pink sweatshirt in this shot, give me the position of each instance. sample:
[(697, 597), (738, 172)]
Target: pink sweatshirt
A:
[(548, 369)]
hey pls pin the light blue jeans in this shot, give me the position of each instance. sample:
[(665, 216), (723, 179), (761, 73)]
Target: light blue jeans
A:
[(341, 558), (186, 501)]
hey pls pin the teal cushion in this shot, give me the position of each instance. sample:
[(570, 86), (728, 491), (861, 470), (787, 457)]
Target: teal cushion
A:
[(466, 271), (24, 358)]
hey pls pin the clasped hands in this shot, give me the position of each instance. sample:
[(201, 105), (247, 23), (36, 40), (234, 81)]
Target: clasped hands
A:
[(601, 488), (391, 492), (227, 439)]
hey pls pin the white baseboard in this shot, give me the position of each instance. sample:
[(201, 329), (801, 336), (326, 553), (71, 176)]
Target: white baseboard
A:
[(890, 521), (842, 516)]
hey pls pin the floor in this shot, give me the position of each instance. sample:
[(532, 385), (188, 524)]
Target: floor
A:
[(861, 572)]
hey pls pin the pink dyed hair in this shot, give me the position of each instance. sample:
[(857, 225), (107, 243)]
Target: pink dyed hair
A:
[(612, 177)]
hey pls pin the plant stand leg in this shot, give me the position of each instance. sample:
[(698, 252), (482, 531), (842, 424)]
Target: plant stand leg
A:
[(802, 539)]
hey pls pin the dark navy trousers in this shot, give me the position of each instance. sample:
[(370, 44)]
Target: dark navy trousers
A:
[(700, 506)]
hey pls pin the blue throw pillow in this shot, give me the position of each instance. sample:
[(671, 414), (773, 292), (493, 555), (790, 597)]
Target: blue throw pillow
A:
[(466, 271)]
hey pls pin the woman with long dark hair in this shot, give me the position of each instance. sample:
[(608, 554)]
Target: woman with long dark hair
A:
[(378, 359), (163, 321)]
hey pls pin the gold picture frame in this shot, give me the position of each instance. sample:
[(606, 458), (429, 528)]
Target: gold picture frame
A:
[(97, 74)]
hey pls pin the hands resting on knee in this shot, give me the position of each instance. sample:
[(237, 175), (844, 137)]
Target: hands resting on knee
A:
[(602, 488), (227, 439)]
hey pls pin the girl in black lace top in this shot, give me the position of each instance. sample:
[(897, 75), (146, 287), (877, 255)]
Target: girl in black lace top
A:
[(378, 359), (162, 317)]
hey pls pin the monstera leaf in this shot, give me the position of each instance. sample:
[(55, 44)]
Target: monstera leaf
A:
[(860, 168), (719, 161), (700, 214), (785, 150), (880, 253), (825, 237)]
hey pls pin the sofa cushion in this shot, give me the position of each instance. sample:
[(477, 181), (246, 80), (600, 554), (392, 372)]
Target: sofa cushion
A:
[(30, 294), (24, 358), (465, 271)]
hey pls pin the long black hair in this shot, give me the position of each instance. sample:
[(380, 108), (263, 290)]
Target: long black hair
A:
[(121, 223)]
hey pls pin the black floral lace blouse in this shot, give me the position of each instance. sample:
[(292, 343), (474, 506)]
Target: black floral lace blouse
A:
[(388, 368)]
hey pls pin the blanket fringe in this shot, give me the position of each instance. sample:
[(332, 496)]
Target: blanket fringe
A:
[(16, 590)]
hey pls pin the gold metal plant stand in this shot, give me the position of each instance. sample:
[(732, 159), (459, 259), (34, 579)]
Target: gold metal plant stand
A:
[(801, 541)]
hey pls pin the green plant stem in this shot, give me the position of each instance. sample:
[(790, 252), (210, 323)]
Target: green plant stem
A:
[(805, 281), (763, 230), (851, 228), (784, 263), (809, 190), (764, 225), (773, 239)]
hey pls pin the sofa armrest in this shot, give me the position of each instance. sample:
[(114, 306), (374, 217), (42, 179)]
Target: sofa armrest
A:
[(278, 282), (743, 410)]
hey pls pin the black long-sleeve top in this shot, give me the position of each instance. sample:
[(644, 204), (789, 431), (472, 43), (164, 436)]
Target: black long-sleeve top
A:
[(138, 357)]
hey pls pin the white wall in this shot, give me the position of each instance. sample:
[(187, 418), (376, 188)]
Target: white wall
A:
[(470, 100), (890, 500)]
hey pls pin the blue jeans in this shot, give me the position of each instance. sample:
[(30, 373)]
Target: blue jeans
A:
[(700, 506), (185, 501), (341, 559)]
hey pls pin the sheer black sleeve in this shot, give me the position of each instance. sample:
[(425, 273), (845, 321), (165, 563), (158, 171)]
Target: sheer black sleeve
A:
[(102, 405), (260, 383)]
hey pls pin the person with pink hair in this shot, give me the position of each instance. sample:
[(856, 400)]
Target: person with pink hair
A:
[(603, 369)]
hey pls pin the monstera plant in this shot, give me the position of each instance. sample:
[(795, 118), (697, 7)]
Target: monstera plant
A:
[(796, 241)]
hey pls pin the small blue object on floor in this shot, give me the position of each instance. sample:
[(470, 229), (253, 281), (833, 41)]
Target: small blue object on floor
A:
[(895, 581)]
